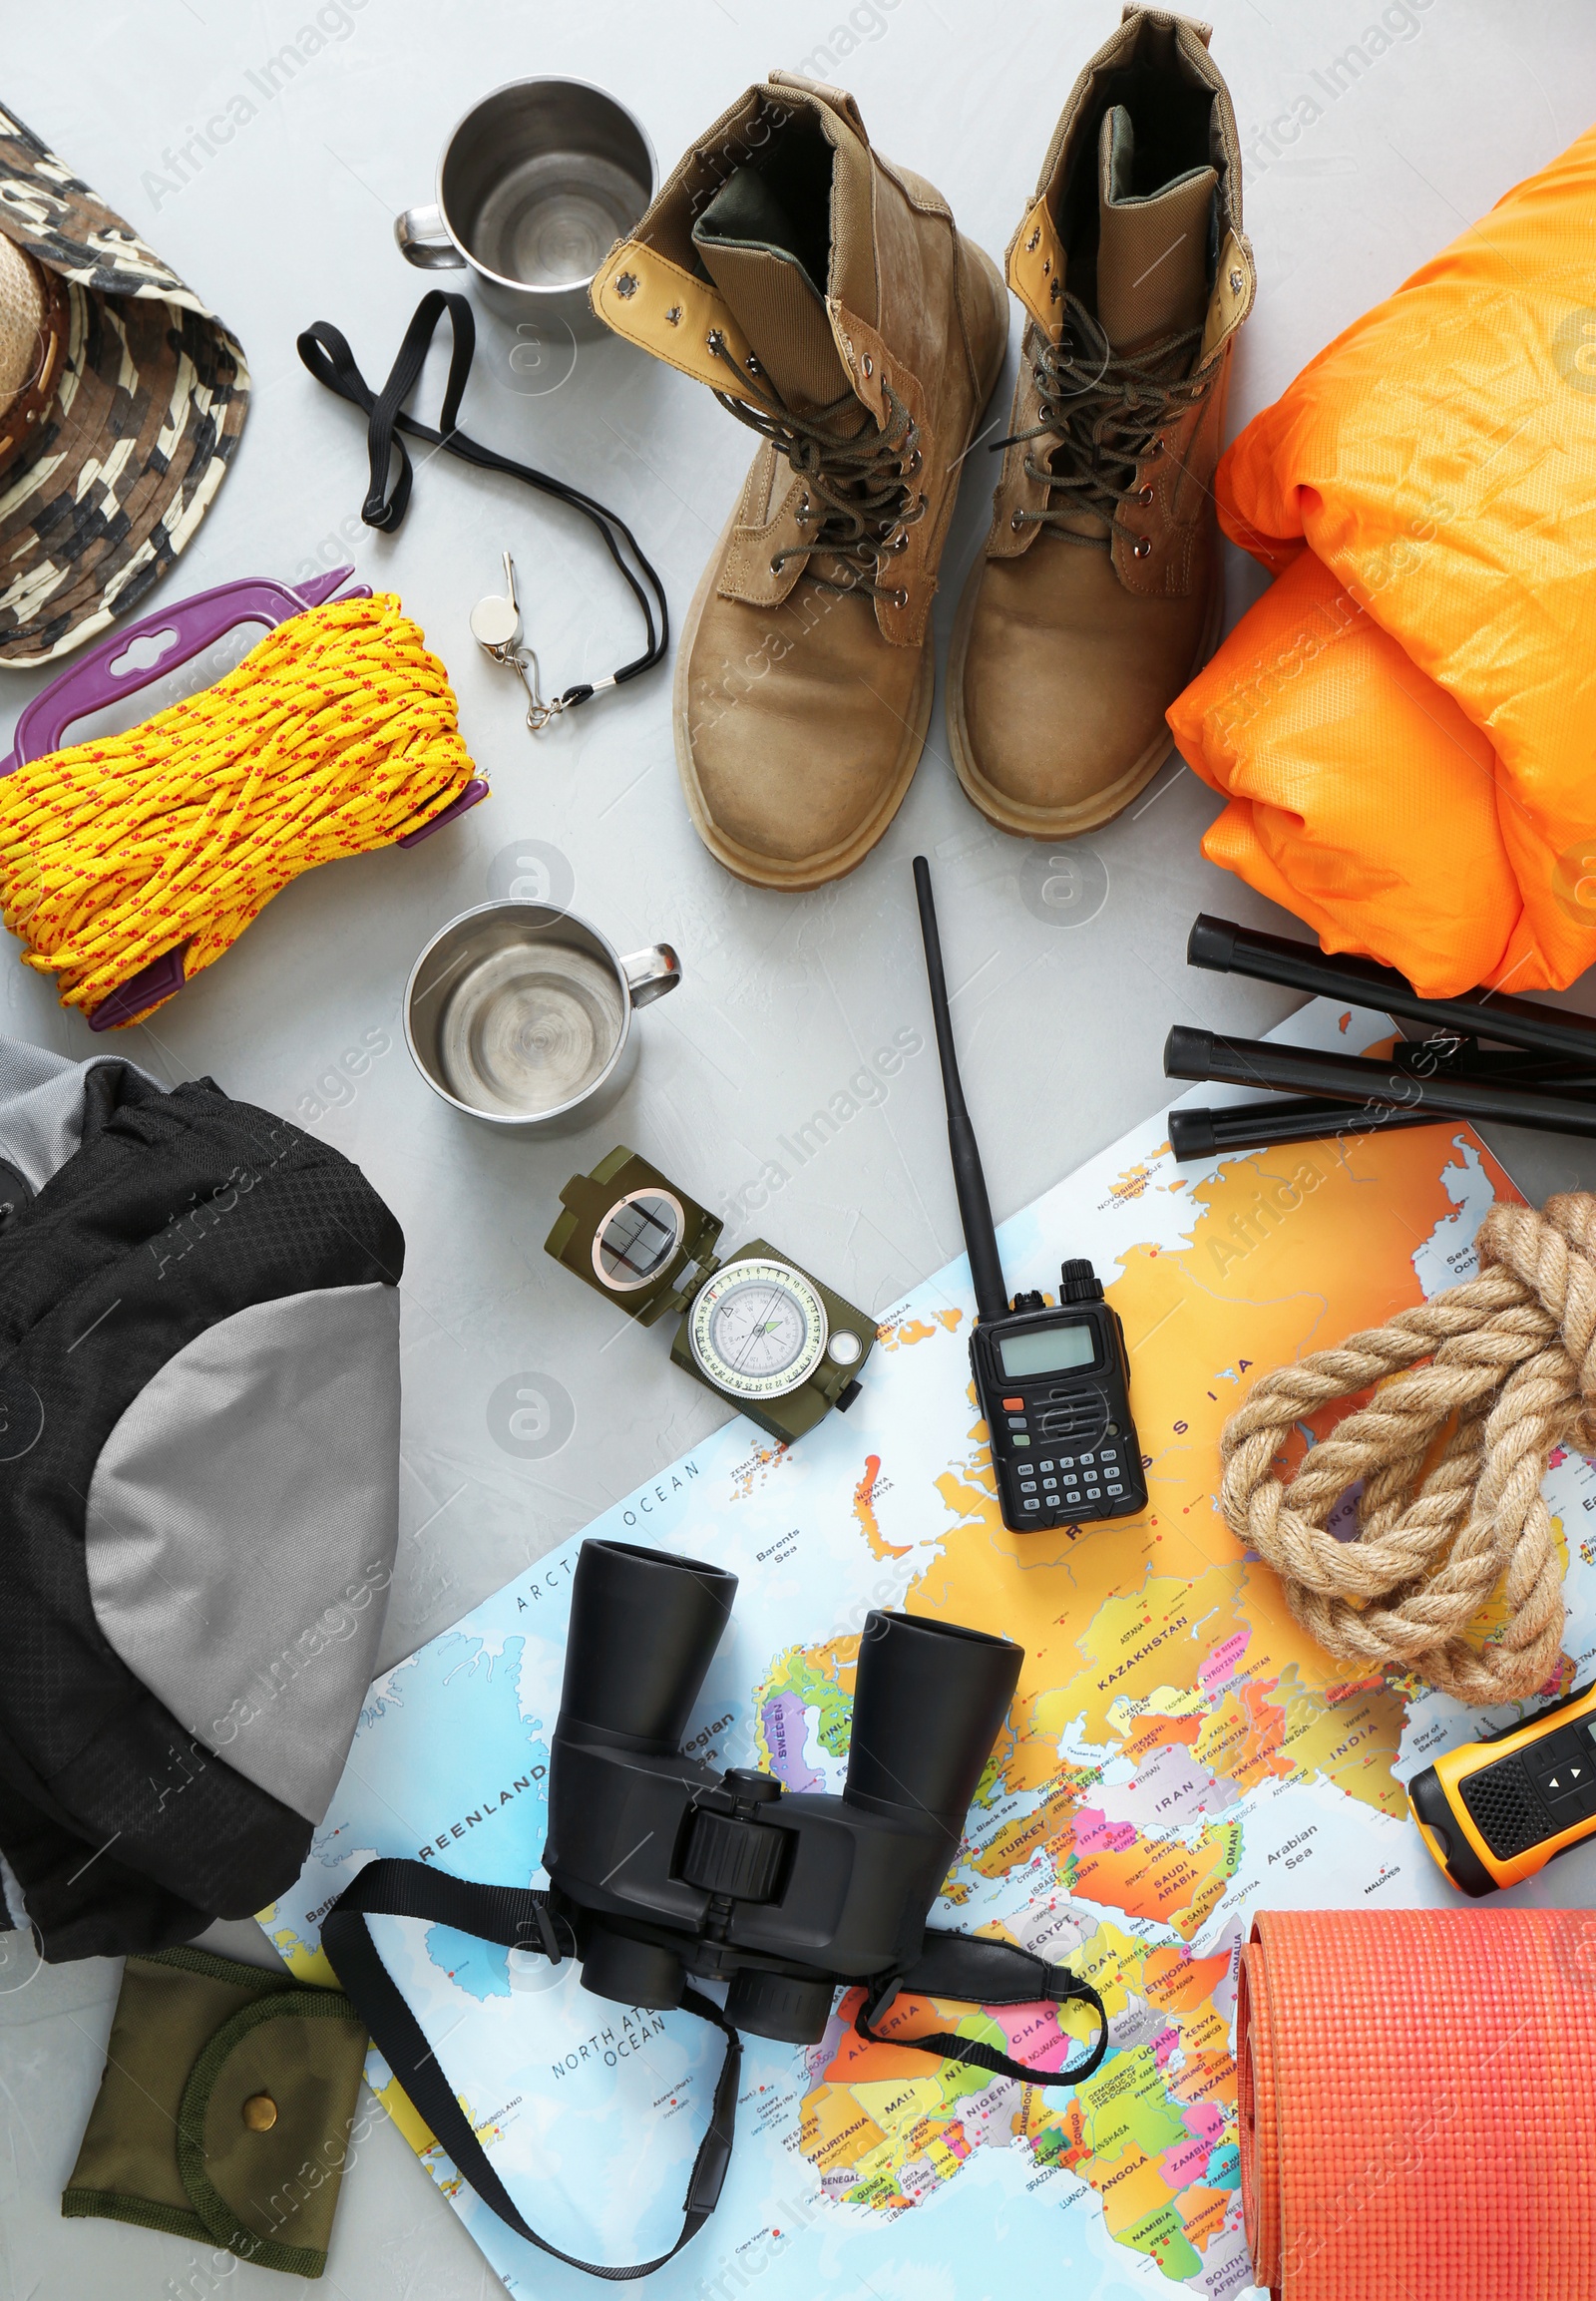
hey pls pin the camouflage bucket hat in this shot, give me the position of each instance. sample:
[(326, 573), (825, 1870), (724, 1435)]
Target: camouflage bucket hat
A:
[(121, 397)]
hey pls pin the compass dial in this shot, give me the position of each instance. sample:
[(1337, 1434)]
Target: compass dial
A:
[(758, 1330)]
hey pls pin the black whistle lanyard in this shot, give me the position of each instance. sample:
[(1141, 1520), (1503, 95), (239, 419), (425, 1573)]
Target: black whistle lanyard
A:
[(326, 352)]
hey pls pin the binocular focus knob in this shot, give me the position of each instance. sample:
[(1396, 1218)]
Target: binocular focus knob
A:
[(750, 1786)]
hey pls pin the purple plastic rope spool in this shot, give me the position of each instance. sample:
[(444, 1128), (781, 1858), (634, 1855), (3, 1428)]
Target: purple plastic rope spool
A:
[(91, 682)]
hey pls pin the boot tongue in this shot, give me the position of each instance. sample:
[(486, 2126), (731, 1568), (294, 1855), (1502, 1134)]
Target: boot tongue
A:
[(1152, 247), (756, 254)]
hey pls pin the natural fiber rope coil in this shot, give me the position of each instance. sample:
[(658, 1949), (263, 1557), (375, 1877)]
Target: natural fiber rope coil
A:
[(1510, 1373), (337, 734)]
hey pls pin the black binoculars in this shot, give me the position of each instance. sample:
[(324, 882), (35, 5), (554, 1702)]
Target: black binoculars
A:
[(660, 1868), (669, 1869)]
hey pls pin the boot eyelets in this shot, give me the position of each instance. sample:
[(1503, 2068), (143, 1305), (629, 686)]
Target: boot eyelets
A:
[(1141, 547), (1144, 495), (900, 598), (869, 365), (1017, 522), (1155, 448)]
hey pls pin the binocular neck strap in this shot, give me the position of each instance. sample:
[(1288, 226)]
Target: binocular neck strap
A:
[(519, 1918), (987, 1973), (965, 1966)]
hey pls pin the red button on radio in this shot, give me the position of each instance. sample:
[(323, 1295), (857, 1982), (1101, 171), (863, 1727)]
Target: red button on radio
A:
[(1013, 1406)]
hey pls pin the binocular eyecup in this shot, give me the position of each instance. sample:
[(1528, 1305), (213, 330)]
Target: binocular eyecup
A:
[(928, 1696), (645, 1627), (929, 1699)]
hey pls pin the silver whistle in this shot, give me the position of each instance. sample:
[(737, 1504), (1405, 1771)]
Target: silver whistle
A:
[(496, 628)]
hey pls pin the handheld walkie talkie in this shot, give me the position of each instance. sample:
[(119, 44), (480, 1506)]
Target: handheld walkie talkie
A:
[(1053, 1385)]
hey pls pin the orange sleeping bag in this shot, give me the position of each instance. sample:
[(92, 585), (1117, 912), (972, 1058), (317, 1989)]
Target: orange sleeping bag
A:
[(1405, 722)]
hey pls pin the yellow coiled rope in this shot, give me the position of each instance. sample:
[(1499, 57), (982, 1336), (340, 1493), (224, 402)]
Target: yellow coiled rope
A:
[(335, 735)]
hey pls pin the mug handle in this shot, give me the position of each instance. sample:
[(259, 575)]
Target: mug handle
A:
[(424, 242), (650, 974)]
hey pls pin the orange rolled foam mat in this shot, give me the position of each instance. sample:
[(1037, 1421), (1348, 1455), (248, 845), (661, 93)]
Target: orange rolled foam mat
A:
[(1419, 2104)]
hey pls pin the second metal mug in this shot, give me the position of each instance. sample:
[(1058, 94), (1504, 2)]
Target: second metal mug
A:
[(535, 185), (519, 1014)]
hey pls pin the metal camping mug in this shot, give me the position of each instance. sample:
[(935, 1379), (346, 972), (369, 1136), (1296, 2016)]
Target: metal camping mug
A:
[(535, 185), (519, 1014)]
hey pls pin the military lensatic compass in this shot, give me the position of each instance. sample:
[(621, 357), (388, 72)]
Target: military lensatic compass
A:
[(755, 1328)]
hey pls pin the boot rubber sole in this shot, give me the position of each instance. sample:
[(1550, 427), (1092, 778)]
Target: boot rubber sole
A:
[(814, 871), (1042, 823)]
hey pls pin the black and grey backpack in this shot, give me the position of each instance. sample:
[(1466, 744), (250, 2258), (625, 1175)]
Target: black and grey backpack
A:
[(198, 1495)]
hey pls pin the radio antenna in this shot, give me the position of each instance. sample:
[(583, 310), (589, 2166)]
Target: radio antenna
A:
[(974, 1209)]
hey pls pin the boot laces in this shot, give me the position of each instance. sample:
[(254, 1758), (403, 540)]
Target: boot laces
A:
[(1101, 413), (858, 492)]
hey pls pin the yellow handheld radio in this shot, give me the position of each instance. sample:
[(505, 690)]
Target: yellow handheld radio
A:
[(1498, 1810)]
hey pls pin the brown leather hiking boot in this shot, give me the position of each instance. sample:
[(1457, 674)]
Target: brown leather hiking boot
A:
[(826, 297), (1099, 591)]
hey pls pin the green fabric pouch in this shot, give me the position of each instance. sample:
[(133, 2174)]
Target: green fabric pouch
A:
[(225, 2110)]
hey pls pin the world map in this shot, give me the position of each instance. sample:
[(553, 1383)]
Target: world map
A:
[(1178, 1755)]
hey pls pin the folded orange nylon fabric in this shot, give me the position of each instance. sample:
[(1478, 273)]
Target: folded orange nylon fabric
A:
[(1419, 2104), (1405, 722)]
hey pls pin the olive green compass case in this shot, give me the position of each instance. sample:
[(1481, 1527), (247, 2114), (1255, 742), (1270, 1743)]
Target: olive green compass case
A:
[(672, 1256), (226, 2111)]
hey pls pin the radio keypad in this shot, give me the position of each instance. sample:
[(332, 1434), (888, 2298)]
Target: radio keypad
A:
[(1057, 1486)]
